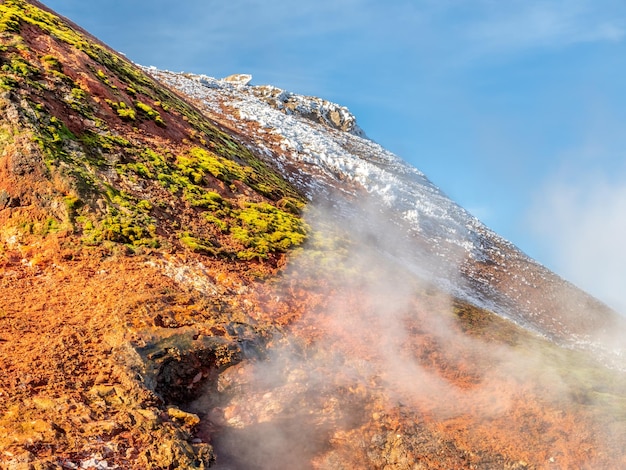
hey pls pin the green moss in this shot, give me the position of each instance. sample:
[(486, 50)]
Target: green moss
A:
[(72, 205), (144, 206), (105, 79), (291, 204), (94, 143), (77, 99), (477, 321), (123, 110), (78, 94), (126, 113), (163, 106), (51, 62), (149, 112), (201, 176), (173, 181), (196, 244), (20, 67), (205, 199), (9, 21), (259, 176), (199, 162), (263, 228), (141, 170), (105, 141), (51, 225), (121, 228), (59, 131), (258, 228), (219, 222), (41, 228), (128, 221), (8, 83), (53, 133)]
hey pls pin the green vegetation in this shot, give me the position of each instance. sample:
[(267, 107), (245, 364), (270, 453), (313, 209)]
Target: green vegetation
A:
[(219, 222), (8, 83), (206, 200), (112, 187), (9, 21), (53, 133), (103, 141), (149, 112), (163, 106), (78, 94), (255, 229), (41, 228), (72, 204), (103, 77), (587, 380), (127, 219), (122, 228), (123, 110), (51, 62), (197, 245), (77, 100), (261, 178), (199, 163), (20, 67), (126, 113), (262, 228)]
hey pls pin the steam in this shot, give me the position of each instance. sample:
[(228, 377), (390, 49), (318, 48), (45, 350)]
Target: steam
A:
[(380, 343), (583, 224)]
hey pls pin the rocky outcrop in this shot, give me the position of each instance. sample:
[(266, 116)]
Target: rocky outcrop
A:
[(310, 107), (240, 79)]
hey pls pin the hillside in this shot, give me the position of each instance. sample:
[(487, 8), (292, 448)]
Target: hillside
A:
[(202, 273)]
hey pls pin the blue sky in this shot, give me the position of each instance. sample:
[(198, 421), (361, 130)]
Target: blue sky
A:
[(516, 109)]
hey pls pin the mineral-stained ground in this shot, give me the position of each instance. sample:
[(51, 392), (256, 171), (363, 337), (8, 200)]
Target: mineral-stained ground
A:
[(169, 301)]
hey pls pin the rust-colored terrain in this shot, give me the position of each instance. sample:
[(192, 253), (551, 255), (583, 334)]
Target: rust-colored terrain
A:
[(167, 300)]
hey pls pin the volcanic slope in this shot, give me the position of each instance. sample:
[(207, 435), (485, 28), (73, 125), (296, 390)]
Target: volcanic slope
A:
[(237, 278)]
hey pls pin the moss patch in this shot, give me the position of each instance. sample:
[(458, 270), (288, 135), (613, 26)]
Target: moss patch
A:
[(198, 187)]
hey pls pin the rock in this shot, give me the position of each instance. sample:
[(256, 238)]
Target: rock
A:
[(97, 464), (27, 160), (315, 109), (21, 461), (189, 419), (335, 118), (5, 199), (146, 419), (106, 427), (170, 451), (240, 79), (173, 364)]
